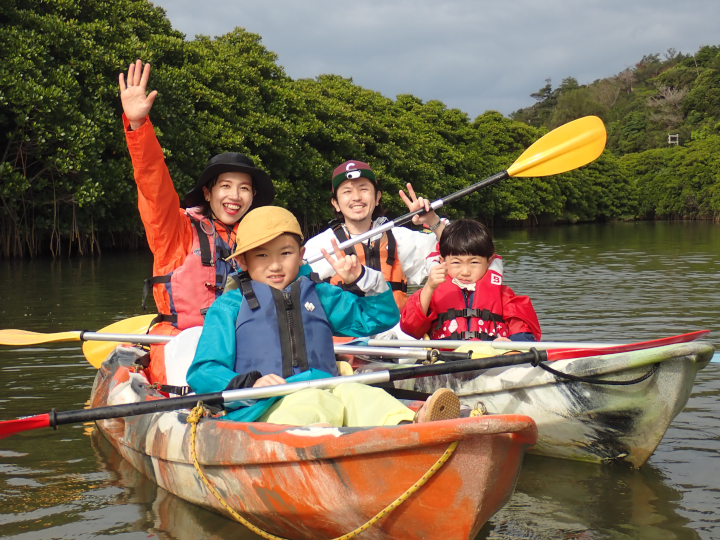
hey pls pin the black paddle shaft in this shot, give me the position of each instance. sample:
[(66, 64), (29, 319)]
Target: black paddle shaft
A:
[(132, 409), (490, 180), (468, 365), (216, 398)]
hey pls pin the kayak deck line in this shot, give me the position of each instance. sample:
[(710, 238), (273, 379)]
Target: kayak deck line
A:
[(194, 419)]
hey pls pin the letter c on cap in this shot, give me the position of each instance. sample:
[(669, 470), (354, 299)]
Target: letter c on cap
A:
[(349, 166)]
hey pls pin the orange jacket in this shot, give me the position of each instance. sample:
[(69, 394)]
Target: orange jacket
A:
[(167, 227)]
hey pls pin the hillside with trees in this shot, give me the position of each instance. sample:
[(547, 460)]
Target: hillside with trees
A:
[(66, 182), (679, 95)]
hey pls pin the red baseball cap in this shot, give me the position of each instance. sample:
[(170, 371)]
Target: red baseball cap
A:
[(351, 170)]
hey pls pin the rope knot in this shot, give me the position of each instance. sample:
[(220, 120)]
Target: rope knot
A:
[(536, 361), (196, 414)]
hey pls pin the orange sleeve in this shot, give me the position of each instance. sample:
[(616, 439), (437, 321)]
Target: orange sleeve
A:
[(166, 226)]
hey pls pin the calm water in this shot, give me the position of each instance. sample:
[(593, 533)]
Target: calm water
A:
[(617, 282)]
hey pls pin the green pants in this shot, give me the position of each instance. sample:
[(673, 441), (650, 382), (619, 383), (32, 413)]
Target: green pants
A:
[(349, 405)]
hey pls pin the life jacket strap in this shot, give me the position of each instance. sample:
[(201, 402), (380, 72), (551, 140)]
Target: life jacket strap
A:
[(163, 318), (147, 286), (484, 314), (245, 284), (339, 231), (398, 286), (205, 252), (391, 248)]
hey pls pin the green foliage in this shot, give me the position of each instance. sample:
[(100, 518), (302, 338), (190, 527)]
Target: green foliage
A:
[(679, 94), (66, 178), (62, 152), (678, 182)]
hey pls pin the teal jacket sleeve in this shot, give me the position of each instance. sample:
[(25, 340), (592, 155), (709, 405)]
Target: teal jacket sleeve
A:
[(350, 315), (212, 369)]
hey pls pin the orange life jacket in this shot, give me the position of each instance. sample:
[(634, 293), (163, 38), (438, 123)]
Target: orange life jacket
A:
[(193, 286), (372, 257)]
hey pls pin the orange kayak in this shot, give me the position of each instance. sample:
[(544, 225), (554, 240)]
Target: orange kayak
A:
[(315, 482)]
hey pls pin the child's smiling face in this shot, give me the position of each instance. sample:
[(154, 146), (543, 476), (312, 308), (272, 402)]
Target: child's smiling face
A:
[(467, 268), (275, 263)]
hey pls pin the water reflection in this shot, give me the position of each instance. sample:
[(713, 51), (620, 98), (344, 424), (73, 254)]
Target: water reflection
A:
[(163, 514), (560, 499)]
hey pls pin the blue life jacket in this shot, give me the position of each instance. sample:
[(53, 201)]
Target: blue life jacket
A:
[(278, 330)]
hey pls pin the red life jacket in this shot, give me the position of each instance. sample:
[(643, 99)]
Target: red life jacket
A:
[(371, 256), (194, 286), (463, 314)]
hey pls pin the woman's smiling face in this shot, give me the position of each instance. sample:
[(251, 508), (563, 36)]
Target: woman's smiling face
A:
[(231, 196)]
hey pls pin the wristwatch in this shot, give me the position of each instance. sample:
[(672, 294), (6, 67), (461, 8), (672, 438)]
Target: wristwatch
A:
[(433, 227)]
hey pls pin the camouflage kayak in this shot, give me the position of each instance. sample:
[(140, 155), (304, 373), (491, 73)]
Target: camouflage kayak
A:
[(315, 482), (587, 421)]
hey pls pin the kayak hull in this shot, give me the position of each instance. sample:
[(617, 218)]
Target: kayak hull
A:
[(587, 422), (299, 482)]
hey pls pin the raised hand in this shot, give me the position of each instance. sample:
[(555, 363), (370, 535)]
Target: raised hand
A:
[(415, 203), (437, 276), (136, 104), (347, 266)]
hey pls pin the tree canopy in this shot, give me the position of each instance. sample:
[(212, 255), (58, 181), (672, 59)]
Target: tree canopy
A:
[(66, 181), (676, 94)]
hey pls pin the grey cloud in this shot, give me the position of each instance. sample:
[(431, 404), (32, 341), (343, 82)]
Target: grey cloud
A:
[(471, 54)]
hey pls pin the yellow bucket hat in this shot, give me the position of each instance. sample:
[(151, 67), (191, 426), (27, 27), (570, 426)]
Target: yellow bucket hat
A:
[(263, 224)]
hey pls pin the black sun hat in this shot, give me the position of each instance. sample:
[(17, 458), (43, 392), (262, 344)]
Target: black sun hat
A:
[(229, 162)]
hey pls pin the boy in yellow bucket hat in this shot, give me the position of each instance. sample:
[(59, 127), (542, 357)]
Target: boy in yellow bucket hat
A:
[(278, 325)]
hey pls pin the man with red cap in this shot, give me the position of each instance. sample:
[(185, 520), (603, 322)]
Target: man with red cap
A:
[(402, 255)]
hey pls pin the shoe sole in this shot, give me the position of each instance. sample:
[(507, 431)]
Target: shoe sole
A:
[(442, 405)]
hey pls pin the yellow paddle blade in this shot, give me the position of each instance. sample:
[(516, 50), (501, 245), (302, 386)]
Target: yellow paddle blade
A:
[(480, 349), (23, 337), (568, 147), (97, 351)]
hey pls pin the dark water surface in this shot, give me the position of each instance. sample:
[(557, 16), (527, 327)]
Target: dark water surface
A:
[(615, 282)]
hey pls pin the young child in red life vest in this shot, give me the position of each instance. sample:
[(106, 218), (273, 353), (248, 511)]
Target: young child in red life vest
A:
[(464, 297)]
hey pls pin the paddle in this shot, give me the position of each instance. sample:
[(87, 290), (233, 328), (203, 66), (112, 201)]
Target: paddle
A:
[(525, 345), (96, 356), (133, 325), (568, 147), (54, 418)]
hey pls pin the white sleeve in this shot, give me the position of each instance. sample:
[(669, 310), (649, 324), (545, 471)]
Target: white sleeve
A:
[(416, 252), (312, 248), (371, 282)]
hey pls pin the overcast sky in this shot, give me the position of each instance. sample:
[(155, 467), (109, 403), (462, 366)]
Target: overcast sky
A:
[(471, 54)]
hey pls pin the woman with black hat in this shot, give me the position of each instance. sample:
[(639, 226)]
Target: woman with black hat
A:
[(189, 245)]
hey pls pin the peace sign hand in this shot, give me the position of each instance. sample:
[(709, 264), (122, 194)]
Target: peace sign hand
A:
[(347, 266), (415, 203), (136, 104)]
